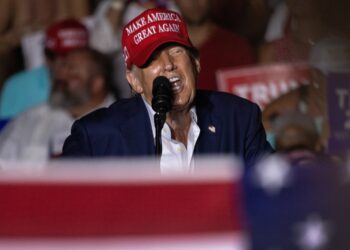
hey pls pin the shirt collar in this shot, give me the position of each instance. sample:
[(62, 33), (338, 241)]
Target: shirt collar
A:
[(151, 114)]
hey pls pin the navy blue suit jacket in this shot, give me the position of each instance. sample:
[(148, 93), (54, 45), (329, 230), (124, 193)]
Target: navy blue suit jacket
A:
[(124, 129)]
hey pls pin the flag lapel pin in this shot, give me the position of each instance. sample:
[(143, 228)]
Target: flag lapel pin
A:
[(212, 129)]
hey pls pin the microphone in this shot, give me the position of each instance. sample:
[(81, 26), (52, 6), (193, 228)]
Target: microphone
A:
[(162, 95), (161, 104)]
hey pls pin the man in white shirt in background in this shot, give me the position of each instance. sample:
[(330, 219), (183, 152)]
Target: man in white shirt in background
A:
[(38, 134)]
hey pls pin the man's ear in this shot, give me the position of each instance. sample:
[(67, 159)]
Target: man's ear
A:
[(134, 81)]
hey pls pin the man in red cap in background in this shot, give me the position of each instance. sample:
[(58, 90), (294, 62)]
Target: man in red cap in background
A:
[(156, 44), (37, 135), (29, 88), (79, 83)]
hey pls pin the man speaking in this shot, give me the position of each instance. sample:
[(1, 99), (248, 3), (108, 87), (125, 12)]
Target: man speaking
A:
[(156, 44)]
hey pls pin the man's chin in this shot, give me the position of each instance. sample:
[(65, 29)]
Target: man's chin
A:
[(57, 101), (60, 101), (177, 107), (66, 101)]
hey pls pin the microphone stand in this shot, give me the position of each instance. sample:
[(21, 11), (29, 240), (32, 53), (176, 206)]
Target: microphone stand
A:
[(159, 120)]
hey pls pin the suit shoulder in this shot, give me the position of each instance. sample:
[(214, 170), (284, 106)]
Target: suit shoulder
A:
[(118, 111), (225, 100)]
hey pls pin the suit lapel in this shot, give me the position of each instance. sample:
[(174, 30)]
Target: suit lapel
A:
[(137, 132), (210, 125)]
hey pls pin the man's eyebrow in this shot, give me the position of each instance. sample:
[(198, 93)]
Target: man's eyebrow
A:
[(150, 59), (155, 53)]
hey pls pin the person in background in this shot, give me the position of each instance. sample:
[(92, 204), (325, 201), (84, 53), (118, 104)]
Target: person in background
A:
[(42, 15), (297, 137), (304, 28), (19, 18), (12, 26), (38, 134), (104, 28), (156, 43), (29, 88), (331, 54), (218, 47), (136, 7), (278, 21)]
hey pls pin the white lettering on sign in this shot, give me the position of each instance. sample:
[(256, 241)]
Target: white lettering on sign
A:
[(343, 98), (263, 93), (344, 104), (260, 93), (242, 90), (347, 122)]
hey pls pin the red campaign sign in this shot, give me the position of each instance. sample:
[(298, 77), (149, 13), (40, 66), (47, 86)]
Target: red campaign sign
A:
[(262, 84)]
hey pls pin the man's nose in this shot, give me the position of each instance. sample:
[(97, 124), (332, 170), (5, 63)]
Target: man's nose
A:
[(167, 62)]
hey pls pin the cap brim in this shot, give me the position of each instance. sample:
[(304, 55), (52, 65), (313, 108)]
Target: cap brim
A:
[(141, 58)]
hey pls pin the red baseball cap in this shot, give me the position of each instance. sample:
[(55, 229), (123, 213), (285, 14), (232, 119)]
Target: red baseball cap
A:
[(151, 29), (66, 35)]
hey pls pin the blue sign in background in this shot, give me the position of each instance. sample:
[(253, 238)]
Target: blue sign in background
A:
[(338, 92)]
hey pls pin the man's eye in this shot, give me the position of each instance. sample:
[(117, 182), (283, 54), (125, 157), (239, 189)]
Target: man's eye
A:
[(176, 50)]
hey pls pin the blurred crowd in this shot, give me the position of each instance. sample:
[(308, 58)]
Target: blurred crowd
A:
[(62, 59)]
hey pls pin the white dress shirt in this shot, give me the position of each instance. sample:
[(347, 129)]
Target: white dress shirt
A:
[(176, 158)]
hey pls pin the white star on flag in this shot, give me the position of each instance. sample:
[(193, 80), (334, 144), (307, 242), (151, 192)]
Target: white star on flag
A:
[(272, 174), (313, 234)]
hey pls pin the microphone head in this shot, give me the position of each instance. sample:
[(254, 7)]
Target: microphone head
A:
[(162, 95)]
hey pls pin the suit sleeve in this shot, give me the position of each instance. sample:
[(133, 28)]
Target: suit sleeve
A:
[(78, 143), (256, 145)]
